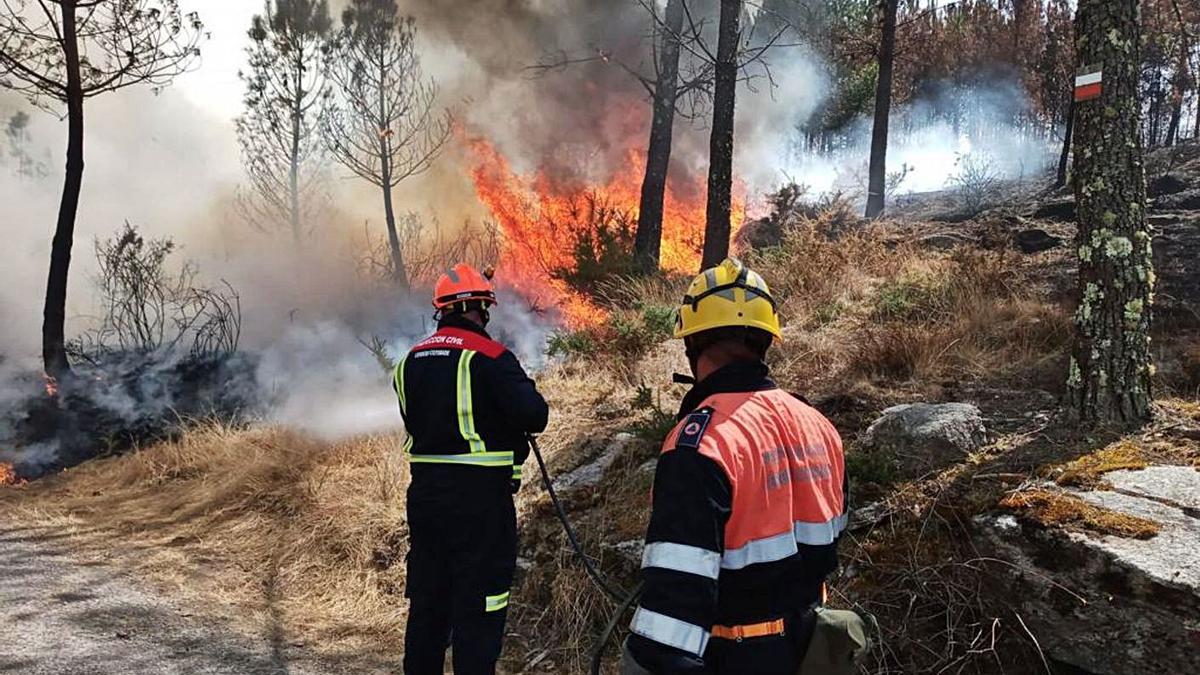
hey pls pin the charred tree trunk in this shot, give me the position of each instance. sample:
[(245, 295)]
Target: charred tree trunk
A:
[(720, 171), (1064, 160), (1110, 368), (877, 186), (54, 353), (648, 241)]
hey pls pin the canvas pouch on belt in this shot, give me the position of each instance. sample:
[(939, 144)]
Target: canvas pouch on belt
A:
[(840, 642)]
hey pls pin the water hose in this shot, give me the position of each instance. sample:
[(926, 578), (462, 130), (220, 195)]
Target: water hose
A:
[(625, 599)]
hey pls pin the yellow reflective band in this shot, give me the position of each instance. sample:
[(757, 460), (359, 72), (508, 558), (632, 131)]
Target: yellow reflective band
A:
[(398, 376), (474, 459), (516, 471), (408, 443), (466, 416), (494, 603)]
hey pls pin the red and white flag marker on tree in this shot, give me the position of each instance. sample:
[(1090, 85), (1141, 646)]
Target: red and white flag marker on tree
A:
[(1089, 83)]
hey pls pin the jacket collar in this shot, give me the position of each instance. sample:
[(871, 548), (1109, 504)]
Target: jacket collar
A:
[(742, 376), (462, 323)]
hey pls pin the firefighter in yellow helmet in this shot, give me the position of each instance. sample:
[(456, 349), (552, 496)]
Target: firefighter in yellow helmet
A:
[(749, 501)]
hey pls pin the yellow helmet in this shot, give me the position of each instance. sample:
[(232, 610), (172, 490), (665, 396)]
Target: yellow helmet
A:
[(729, 294)]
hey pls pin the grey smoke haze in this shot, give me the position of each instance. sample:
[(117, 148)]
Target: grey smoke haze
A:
[(169, 164)]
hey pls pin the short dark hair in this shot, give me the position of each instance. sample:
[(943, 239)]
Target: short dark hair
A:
[(756, 340)]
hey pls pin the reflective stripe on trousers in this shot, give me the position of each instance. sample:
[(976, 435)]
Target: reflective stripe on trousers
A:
[(670, 631), (682, 558), (495, 603), (474, 458), (784, 544)]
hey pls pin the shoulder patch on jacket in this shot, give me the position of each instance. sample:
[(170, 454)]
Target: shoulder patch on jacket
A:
[(692, 429)]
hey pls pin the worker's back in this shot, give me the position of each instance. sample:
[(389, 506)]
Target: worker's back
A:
[(784, 460), (749, 502), (467, 407)]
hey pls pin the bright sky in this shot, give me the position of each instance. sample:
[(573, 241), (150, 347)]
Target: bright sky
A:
[(214, 85)]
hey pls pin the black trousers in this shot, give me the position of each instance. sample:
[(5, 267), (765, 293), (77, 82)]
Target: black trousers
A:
[(462, 554)]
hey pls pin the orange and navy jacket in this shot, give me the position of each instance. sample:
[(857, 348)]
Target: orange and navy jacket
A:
[(749, 502), (468, 408)]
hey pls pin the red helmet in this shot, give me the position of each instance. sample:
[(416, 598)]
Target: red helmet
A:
[(463, 283)]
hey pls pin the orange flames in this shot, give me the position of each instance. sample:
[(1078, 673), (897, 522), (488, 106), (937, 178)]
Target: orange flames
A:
[(51, 385), (542, 217), (8, 475)]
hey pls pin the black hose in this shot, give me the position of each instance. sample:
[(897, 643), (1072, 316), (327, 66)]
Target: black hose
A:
[(598, 652), (624, 599), (612, 591)]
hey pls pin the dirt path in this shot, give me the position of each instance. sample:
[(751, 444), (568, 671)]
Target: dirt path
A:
[(62, 615)]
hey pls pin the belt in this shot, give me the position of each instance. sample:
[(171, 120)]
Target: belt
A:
[(750, 630)]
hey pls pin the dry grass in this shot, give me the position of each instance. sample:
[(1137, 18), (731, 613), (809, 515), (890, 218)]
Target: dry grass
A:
[(1058, 509)]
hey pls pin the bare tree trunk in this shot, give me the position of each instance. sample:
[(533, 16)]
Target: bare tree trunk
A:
[(720, 170), (877, 186), (54, 353), (1064, 160), (1176, 116), (294, 170), (1110, 369), (648, 242)]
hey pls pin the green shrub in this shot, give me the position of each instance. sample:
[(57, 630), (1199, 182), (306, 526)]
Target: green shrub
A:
[(659, 320), (572, 344), (870, 466), (658, 422)]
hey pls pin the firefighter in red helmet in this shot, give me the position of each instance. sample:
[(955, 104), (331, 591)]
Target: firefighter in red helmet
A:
[(749, 502), (468, 408)]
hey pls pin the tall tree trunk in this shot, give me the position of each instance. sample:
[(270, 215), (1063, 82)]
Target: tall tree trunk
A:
[(294, 169), (648, 242), (1176, 116), (1110, 367), (877, 186), (720, 149), (1064, 160), (54, 353), (399, 270)]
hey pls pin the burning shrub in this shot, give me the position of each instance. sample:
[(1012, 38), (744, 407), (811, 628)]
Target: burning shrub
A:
[(149, 309), (601, 244)]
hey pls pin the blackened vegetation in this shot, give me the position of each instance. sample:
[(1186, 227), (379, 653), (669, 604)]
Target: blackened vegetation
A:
[(130, 399), (163, 352)]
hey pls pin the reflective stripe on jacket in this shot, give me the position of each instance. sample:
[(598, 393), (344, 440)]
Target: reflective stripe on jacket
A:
[(749, 502), (466, 401)]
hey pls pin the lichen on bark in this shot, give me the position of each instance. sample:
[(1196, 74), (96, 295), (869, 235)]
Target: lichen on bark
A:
[(1109, 378)]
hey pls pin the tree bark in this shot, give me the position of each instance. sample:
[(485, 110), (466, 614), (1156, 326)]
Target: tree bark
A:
[(720, 171), (1064, 160), (399, 270), (1110, 368), (294, 169), (54, 353), (877, 186), (648, 241)]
